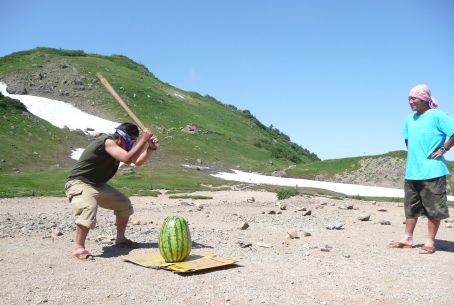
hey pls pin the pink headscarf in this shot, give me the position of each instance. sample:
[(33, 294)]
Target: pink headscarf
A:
[(422, 92)]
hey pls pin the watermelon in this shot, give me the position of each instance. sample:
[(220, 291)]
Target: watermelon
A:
[(175, 239)]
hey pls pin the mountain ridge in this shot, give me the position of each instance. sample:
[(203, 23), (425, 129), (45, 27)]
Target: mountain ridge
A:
[(223, 136)]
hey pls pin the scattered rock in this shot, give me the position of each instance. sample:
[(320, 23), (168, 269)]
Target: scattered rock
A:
[(244, 226), (244, 244), (199, 206), (293, 233), (385, 222), (346, 206), (307, 213), (263, 245), (335, 226), (449, 220), (282, 205), (251, 200), (56, 233), (191, 129), (16, 89), (364, 216), (102, 238), (326, 248)]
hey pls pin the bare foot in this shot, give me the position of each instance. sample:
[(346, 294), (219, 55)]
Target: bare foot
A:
[(402, 244), (83, 254)]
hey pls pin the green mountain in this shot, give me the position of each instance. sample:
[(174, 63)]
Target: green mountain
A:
[(220, 136)]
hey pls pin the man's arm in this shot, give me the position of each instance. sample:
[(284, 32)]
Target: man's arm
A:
[(441, 151), (128, 157), (146, 154)]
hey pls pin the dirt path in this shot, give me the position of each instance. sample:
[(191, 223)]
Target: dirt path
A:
[(347, 266)]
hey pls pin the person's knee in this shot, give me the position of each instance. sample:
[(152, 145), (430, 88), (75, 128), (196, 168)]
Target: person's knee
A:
[(88, 223), (126, 212), (86, 214)]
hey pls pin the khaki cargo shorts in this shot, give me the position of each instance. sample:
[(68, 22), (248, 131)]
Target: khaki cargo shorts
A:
[(426, 198), (85, 199)]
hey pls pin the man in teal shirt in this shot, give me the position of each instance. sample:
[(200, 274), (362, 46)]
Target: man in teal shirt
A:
[(425, 135)]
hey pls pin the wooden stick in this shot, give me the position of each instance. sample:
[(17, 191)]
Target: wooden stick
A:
[(121, 102)]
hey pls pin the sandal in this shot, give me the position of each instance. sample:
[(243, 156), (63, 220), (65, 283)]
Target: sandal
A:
[(427, 250)]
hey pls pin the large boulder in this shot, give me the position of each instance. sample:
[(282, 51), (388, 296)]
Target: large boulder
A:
[(16, 89)]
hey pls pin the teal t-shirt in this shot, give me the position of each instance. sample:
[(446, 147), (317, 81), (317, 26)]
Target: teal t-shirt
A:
[(425, 134)]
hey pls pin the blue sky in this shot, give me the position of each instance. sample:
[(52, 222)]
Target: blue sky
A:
[(333, 75)]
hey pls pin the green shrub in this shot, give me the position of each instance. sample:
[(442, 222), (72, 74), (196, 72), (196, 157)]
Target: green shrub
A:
[(286, 193)]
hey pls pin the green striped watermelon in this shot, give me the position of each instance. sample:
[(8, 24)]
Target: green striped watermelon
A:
[(175, 239)]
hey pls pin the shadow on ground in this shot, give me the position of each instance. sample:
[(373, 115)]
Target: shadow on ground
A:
[(445, 245), (115, 251)]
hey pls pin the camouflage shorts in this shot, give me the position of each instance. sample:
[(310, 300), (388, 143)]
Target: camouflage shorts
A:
[(426, 198)]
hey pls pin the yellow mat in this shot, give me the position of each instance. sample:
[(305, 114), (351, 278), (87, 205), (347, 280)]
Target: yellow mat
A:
[(193, 263)]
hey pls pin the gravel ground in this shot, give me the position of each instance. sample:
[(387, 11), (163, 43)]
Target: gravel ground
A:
[(336, 259)]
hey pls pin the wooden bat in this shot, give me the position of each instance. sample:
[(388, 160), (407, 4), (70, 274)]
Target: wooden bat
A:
[(122, 103)]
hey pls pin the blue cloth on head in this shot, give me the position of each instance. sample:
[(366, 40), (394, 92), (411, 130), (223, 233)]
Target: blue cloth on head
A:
[(129, 141)]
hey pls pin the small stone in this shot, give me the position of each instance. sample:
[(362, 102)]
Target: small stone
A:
[(293, 233), (307, 213), (382, 210), (364, 216), (272, 212), (326, 248), (385, 222), (101, 238), (282, 206), (336, 226), (199, 206), (136, 222), (56, 233), (244, 226), (306, 234), (346, 206), (250, 200), (244, 244), (263, 245), (449, 220), (301, 209)]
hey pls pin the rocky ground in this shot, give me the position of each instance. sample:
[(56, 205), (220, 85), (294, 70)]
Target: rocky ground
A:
[(333, 257)]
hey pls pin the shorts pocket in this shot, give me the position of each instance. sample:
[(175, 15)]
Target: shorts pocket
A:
[(438, 187), (72, 189)]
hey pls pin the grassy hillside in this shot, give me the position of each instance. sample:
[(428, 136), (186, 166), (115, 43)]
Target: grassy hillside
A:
[(226, 136), (329, 168)]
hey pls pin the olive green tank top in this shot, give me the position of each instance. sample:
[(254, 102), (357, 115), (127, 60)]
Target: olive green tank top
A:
[(95, 165)]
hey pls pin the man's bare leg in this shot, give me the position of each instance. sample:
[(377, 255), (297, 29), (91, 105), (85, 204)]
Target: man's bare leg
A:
[(432, 228), (407, 241), (79, 243), (81, 236), (122, 222)]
